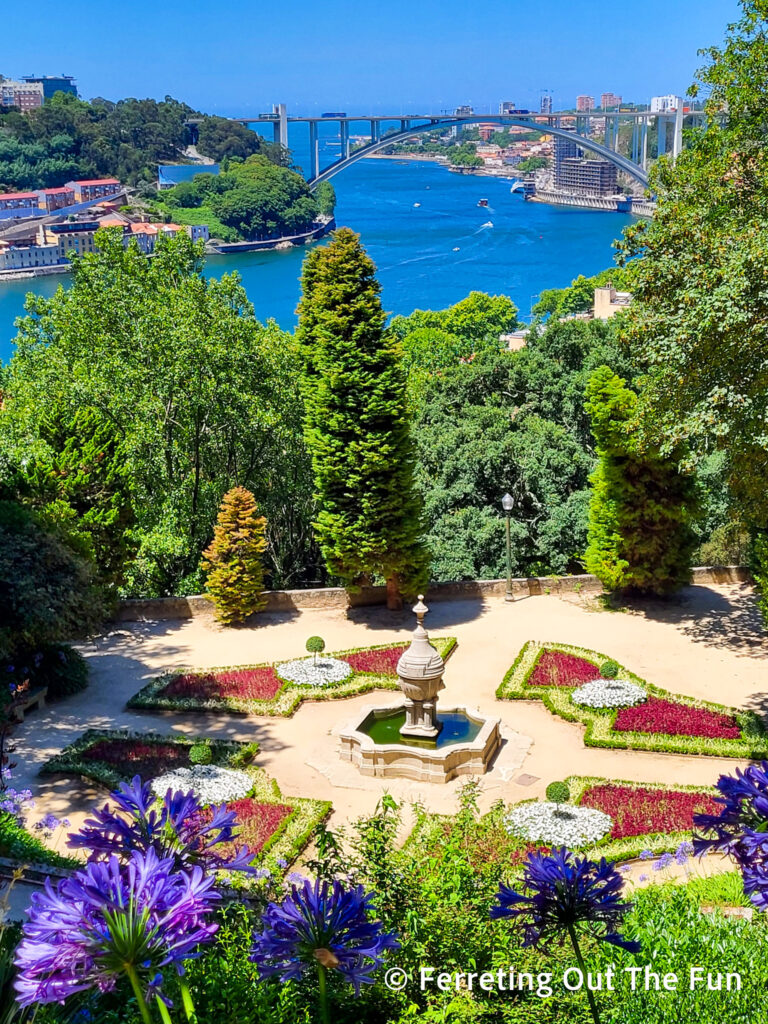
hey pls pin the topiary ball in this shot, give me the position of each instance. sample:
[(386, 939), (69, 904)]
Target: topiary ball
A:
[(315, 645), (558, 792), (609, 669), (200, 753)]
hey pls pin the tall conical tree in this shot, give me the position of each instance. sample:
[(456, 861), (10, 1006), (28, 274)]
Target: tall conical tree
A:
[(357, 424), (642, 507), (232, 562)]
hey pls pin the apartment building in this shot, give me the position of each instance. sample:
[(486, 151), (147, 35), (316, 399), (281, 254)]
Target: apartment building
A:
[(24, 95), (584, 104), (94, 188)]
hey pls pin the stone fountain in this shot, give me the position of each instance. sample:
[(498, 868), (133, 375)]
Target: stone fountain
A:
[(412, 739)]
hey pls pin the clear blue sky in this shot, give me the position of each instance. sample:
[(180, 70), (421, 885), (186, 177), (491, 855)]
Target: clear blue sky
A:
[(239, 56)]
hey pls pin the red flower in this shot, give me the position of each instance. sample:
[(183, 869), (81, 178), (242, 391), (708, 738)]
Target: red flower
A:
[(248, 683), (138, 757), (256, 822), (672, 719), (554, 668), (382, 661), (636, 810)]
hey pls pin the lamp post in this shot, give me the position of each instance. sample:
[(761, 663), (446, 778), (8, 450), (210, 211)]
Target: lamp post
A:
[(508, 503)]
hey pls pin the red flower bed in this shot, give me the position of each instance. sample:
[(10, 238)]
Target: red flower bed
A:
[(139, 757), (636, 810), (248, 683), (671, 719), (382, 662), (554, 668), (257, 822)]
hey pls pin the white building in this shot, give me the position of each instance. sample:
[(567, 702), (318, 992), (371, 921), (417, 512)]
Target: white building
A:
[(24, 257), (661, 104)]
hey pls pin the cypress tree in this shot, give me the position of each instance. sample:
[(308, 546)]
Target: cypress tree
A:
[(232, 562), (642, 508), (357, 424)]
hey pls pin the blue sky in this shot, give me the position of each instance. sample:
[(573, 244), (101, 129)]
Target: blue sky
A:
[(399, 56)]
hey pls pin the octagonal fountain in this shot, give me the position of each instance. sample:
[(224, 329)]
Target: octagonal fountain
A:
[(414, 740)]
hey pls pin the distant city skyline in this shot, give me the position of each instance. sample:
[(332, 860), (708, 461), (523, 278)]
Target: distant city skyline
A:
[(400, 57)]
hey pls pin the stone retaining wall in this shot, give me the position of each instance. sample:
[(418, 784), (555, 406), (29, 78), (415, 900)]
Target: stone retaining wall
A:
[(338, 597)]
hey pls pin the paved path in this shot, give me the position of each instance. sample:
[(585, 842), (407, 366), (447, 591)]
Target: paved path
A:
[(706, 644)]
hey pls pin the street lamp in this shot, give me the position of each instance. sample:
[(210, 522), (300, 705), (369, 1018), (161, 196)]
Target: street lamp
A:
[(508, 503)]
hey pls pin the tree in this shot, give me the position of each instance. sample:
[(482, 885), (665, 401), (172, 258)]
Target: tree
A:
[(357, 423), (79, 479), (232, 562), (198, 393), (47, 592), (642, 508), (698, 322), (325, 194)]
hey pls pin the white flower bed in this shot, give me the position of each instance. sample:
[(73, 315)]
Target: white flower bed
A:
[(558, 824), (210, 783), (305, 672), (609, 693)]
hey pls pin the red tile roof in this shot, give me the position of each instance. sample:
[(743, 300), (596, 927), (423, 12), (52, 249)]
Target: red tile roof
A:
[(17, 195), (98, 181), (55, 191)]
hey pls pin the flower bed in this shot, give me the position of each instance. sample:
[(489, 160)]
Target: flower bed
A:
[(210, 783), (310, 672), (258, 824), (555, 668), (674, 724), (674, 719), (558, 824), (134, 757), (260, 690), (640, 810), (111, 756), (609, 693), (243, 683)]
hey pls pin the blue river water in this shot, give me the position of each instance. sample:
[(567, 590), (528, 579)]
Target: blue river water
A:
[(430, 240)]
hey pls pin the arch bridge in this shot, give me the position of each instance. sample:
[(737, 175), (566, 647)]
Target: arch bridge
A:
[(385, 130)]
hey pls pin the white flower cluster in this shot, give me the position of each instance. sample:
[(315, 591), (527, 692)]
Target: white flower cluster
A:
[(305, 672), (609, 693), (557, 824), (210, 783)]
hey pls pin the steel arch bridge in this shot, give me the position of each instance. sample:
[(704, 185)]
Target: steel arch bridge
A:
[(383, 131), (623, 163)]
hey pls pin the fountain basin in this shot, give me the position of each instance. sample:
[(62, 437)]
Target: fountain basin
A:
[(465, 745)]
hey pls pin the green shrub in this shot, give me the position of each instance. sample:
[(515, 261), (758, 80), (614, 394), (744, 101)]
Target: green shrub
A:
[(62, 669), (315, 645), (558, 792), (609, 669), (201, 753)]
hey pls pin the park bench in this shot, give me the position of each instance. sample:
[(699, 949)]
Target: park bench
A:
[(34, 697)]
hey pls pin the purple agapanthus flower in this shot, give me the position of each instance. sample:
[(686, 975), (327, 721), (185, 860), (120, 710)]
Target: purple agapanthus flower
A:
[(322, 923), (562, 893), (111, 919), (178, 829), (741, 828)]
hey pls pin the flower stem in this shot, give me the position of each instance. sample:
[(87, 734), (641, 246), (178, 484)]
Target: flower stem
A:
[(143, 1008), (186, 998), (582, 968), (322, 994)]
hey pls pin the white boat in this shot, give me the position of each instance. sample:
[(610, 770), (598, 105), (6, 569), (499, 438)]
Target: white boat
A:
[(488, 224), (417, 204)]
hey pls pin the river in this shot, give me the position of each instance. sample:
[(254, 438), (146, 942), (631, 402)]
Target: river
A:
[(429, 239)]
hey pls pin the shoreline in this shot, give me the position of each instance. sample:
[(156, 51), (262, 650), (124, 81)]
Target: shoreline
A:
[(429, 158)]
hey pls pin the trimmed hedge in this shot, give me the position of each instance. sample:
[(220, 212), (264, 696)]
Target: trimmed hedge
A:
[(753, 743), (226, 753), (287, 699)]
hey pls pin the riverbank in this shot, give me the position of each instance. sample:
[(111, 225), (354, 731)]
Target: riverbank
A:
[(437, 158), (32, 272), (320, 228)]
